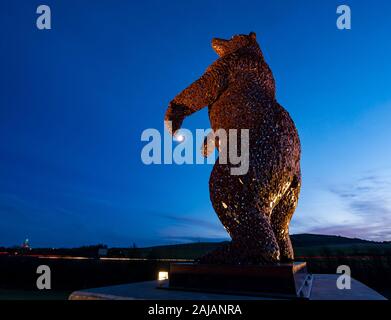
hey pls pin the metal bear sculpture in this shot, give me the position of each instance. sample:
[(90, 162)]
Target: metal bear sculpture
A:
[(255, 208)]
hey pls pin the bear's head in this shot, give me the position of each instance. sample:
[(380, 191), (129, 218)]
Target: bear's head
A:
[(224, 47)]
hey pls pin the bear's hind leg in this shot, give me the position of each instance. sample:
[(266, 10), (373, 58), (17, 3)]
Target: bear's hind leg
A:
[(253, 240), (281, 217), (254, 237)]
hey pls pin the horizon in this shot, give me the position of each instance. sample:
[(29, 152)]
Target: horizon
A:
[(76, 99), (201, 241)]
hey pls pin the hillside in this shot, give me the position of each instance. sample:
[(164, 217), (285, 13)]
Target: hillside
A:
[(304, 244), (307, 239)]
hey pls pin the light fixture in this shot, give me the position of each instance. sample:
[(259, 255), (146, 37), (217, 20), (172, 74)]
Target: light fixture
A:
[(162, 275)]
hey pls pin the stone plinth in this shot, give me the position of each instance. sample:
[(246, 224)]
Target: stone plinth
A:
[(289, 280)]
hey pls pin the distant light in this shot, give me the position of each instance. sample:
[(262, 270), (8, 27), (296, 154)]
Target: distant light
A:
[(163, 275), (179, 138)]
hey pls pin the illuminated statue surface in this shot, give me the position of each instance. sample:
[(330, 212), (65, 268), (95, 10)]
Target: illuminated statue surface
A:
[(255, 208)]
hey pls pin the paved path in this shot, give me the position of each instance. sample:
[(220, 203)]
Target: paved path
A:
[(323, 288)]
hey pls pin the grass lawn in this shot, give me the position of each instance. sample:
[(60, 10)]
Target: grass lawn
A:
[(33, 295)]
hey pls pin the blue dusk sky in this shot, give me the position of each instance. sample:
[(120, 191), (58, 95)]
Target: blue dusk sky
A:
[(75, 99)]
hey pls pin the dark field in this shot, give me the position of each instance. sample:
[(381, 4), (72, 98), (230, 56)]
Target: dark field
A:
[(370, 263), (18, 275)]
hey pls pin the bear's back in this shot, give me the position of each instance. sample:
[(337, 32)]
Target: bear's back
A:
[(249, 94), (249, 72)]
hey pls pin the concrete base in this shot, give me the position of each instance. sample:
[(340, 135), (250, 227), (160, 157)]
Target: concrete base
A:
[(285, 280), (323, 288)]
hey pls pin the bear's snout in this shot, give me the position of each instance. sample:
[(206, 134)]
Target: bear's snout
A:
[(218, 45)]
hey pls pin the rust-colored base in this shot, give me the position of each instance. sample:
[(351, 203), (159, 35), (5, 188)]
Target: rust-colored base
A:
[(289, 280)]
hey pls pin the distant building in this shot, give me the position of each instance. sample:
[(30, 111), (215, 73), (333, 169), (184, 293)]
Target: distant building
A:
[(102, 252), (26, 244)]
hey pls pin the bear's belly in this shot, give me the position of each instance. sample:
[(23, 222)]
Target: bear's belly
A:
[(233, 111), (274, 146), (262, 116)]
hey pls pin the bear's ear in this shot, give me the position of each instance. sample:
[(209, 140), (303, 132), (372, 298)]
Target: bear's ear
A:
[(253, 35)]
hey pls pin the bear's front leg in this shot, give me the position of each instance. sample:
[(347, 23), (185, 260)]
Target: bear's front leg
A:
[(198, 95), (174, 117)]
